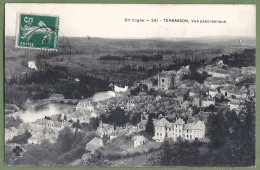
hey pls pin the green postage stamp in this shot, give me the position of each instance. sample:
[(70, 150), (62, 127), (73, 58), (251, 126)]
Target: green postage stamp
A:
[(37, 32)]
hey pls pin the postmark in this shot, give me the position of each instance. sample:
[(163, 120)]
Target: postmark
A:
[(37, 32)]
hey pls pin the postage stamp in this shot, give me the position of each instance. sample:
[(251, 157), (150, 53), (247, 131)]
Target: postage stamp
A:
[(37, 32)]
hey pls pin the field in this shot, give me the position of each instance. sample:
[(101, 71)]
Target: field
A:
[(84, 53), (81, 56)]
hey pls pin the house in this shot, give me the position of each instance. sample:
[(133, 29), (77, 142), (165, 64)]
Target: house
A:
[(120, 89), (234, 92), (138, 140), (113, 135), (207, 101), (160, 129), (185, 104), (194, 130), (177, 128), (85, 105), (220, 63), (248, 70), (142, 124), (214, 82), (196, 101), (105, 129), (194, 92), (158, 98), (213, 92), (51, 123), (148, 83), (131, 128), (165, 80), (56, 97), (228, 91), (35, 140), (130, 104), (93, 145), (234, 104), (251, 90), (164, 128), (32, 65), (10, 133), (217, 72)]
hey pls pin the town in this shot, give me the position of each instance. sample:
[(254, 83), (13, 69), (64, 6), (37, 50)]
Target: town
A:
[(135, 120)]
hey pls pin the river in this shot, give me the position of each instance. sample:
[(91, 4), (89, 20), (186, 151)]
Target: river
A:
[(49, 109)]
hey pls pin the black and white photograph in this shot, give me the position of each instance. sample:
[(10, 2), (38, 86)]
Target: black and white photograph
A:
[(129, 85)]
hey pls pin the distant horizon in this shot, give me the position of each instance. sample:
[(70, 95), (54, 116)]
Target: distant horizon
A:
[(158, 38), (123, 21)]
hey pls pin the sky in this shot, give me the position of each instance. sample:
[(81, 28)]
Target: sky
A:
[(108, 20)]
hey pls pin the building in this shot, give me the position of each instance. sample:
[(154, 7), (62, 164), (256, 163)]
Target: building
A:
[(142, 124), (189, 131), (248, 70), (148, 83), (166, 80), (35, 140), (130, 104), (10, 133), (32, 65), (217, 72), (138, 140), (85, 105), (207, 101), (120, 89), (234, 92), (214, 82), (196, 101), (160, 129), (193, 130), (251, 90), (105, 129), (194, 92), (185, 104), (213, 92), (56, 97), (234, 104), (51, 123), (93, 145)]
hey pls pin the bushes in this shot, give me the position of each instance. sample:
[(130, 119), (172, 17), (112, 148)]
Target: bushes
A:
[(73, 154), (10, 121), (21, 139), (121, 155)]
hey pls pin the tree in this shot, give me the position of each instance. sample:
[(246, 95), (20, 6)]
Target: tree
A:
[(196, 110), (21, 139), (232, 136), (96, 159), (59, 118), (180, 153), (136, 119), (76, 125), (153, 160), (65, 139), (36, 156), (149, 127), (10, 121), (17, 151), (247, 119), (118, 117)]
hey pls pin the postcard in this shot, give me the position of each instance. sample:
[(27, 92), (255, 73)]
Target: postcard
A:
[(130, 85)]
